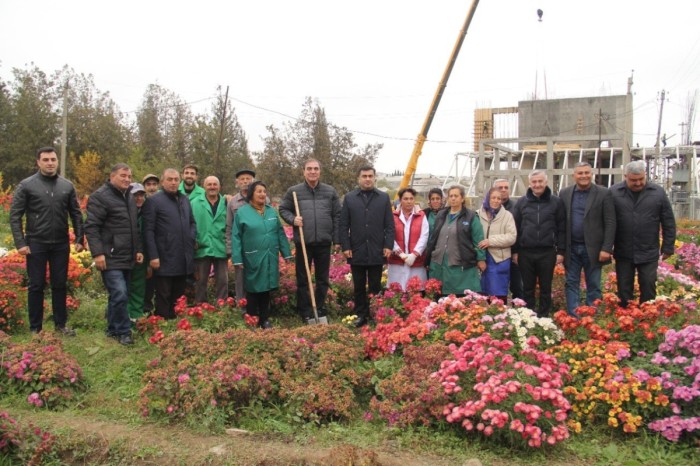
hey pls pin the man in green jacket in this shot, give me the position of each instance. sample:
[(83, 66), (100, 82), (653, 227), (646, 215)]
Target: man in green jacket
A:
[(188, 185), (210, 215)]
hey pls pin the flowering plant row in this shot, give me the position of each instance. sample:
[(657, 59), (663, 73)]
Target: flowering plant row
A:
[(313, 372), (40, 368), (25, 444)]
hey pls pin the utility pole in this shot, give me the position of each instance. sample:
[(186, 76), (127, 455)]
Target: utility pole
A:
[(657, 169), (600, 142), (217, 162), (64, 131)]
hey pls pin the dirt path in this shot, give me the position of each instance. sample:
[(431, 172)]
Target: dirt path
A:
[(101, 442)]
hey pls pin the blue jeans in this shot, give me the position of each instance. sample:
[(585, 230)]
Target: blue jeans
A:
[(117, 284), (579, 260), (56, 255)]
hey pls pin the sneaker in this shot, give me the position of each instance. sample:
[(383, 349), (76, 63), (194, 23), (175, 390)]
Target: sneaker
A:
[(65, 331), (126, 340)]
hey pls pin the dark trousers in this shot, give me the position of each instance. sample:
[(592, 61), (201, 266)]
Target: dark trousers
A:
[(320, 256), (150, 294), (364, 276), (258, 305), (537, 265), (202, 268), (117, 284), (516, 282), (56, 255), (646, 276), (168, 291)]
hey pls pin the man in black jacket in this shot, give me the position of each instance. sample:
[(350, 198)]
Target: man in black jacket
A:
[(541, 222), (46, 200), (642, 209), (319, 214), (115, 243), (590, 234), (170, 233), (367, 238)]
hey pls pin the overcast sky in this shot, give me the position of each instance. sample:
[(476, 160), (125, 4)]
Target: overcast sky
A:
[(374, 65)]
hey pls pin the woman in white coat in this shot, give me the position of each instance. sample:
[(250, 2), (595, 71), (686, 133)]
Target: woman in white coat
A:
[(499, 235), (411, 238)]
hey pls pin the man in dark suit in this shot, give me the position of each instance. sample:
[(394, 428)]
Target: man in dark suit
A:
[(590, 235)]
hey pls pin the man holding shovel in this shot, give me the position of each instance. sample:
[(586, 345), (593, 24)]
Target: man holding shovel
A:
[(315, 216)]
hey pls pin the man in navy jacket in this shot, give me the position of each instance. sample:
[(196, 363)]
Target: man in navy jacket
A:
[(367, 238), (170, 233), (642, 209)]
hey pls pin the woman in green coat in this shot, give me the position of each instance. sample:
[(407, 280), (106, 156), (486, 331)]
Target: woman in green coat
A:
[(257, 239), (453, 251)]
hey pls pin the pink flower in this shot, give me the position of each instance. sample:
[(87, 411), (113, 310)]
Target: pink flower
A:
[(35, 399)]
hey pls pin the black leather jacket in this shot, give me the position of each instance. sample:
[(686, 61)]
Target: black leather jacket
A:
[(47, 202)]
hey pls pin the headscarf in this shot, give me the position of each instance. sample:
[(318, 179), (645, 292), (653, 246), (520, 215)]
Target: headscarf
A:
[(487, 205)]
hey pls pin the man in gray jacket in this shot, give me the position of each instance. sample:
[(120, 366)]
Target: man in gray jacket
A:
[(319, 214), (642, 209), (46, 200), (590, 234)]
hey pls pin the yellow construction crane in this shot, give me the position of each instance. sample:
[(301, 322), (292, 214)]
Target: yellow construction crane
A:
[(418, 148)]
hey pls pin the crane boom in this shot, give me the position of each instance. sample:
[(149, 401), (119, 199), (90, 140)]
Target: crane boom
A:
[(420, 140)]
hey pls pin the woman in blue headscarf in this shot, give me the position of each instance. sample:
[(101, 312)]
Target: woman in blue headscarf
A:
[(499, 235)]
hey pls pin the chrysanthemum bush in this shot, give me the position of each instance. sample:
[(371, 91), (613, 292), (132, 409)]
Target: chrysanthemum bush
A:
[(676, 368), (41, 369), (604, 389), (642, 326), (505, 393), (411, 396), (225, 315), (23, 444), (311, 373)]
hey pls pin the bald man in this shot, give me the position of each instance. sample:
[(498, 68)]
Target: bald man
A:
[(210, 215)]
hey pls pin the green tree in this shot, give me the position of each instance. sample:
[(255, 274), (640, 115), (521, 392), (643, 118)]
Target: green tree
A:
[(219, 144), (32, 121), (312, 136), (274, 166), (94, 120), (163, 127)]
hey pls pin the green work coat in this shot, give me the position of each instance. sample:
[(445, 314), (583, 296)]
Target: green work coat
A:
[(211, 228), (198, 191), (256, 243)]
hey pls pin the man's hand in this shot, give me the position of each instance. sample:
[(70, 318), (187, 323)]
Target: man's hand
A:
[(79, 248), (298, 221), (665, 256), (604, 256), (560, 259), (100, 262), (155, 264), (514, 258), (25, 251), (348, 253), (387, 253), (139, 258)]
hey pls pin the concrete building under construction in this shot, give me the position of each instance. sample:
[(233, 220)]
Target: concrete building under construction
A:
[(556, 134)]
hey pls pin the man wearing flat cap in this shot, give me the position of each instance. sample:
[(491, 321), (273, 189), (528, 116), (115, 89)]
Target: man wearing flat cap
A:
[(150, 184), (244, 178)]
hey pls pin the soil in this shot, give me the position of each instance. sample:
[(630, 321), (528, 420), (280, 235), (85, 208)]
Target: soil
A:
[(97, 442)]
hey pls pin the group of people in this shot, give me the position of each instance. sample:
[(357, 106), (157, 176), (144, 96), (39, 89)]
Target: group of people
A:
[(148, 242), (514, 246)]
